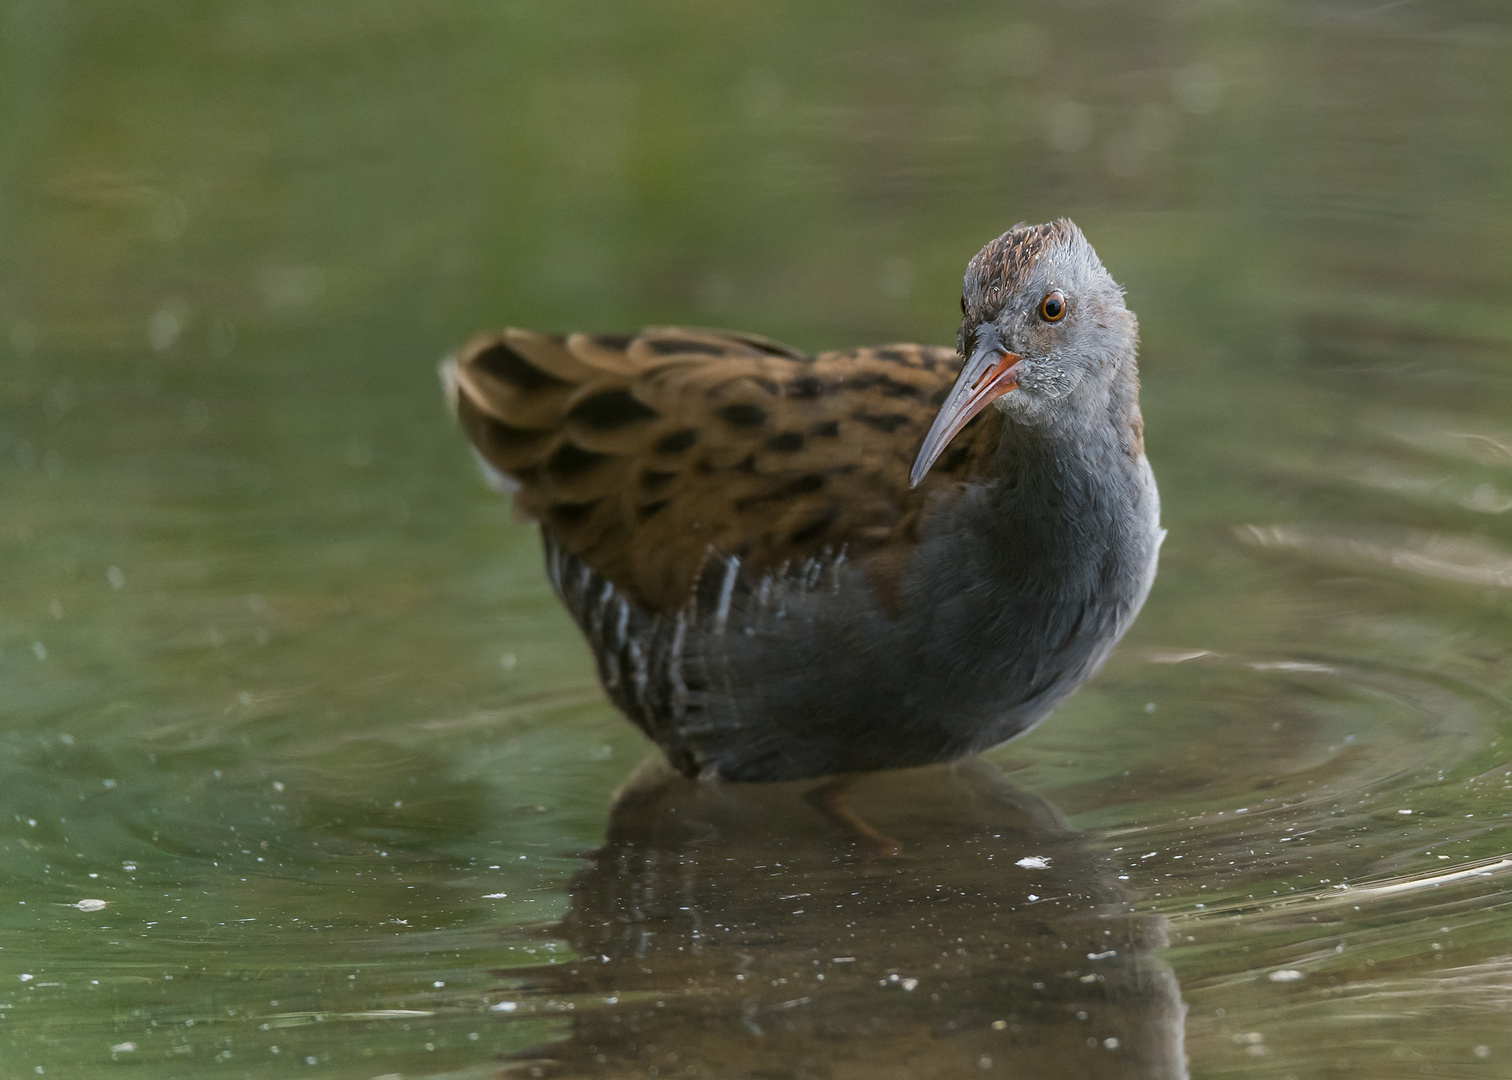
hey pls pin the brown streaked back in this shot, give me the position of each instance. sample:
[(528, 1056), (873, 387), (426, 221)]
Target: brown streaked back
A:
[(642, 453)]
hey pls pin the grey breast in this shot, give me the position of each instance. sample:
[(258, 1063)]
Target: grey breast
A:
[(801, 670)]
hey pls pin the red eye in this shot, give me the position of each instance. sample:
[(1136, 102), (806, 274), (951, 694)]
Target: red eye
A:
[(1053, 307)]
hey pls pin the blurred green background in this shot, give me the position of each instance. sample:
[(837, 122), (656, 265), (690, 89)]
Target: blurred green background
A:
[(271, 653)]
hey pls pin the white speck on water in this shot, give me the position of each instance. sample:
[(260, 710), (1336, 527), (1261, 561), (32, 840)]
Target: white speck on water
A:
[(221, 337), (278, 785), (123, 1048), (1111, 1043), (166, 324), (504, 1006), (23, 337), (116, 576), (1069, 127), (1149, 706), (1032, 897), (495, 895), (39, 650), (1102, 955), (910, 984), (438, 984), (27, 978), (285, 287), (1404, 811), (508, 661), (128, 866), (1285, 975), (896, 279), (1197, 87), (1151, 855), (1482, 1051), (1033, 862)]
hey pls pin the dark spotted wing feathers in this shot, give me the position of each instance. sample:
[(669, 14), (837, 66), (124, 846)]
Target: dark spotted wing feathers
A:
[(643, 454)]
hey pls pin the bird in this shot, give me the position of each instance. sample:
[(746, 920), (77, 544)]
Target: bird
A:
[(789, 565)]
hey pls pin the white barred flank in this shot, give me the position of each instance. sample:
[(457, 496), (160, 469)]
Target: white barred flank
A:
[(726, 591), (645, 661)]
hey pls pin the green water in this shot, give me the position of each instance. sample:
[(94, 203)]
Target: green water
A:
[(285, 688)]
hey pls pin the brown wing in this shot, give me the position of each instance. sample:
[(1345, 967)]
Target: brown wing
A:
[(642, 452)]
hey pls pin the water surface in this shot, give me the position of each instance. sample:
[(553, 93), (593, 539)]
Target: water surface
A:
[(302, 769)]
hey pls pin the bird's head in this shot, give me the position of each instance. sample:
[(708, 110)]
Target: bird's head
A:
[(1044, 334)]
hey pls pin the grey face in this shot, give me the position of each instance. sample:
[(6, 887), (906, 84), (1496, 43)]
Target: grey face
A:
[(1067, 321), (1044, 329)]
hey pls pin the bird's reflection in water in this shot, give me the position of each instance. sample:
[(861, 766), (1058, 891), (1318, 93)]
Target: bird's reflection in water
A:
[(736, 931)]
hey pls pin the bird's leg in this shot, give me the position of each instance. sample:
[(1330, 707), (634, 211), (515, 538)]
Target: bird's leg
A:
[(829, 798)]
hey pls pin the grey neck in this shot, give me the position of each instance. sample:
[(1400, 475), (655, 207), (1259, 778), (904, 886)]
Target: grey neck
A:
[(1067, 491)]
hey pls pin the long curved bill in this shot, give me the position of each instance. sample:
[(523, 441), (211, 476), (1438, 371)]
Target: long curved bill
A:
[(985, 377)]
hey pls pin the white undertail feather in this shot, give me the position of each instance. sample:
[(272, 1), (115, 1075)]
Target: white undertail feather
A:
[(726, 591), (675, 667)]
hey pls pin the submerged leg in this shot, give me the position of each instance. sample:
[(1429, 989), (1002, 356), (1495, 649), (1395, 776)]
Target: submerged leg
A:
[(829, 798)]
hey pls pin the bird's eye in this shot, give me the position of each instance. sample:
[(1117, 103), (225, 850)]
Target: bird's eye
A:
[(1053, 307), (963, 303)]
